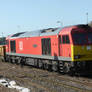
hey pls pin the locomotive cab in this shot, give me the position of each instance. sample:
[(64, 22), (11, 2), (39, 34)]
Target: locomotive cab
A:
[(82, 45), (76, 48), (81, 49)]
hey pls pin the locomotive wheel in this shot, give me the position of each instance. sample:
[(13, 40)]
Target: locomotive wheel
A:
[(55, 67), (72, 71), (49, 67), (17, 61), (10, 60), (23, 61), (13, 61), (66, 68), (7, 59), (46, 66)]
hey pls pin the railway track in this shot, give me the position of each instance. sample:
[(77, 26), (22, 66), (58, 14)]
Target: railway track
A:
[(43, 81), (64, 83)]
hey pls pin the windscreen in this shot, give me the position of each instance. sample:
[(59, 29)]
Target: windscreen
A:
[(82, 38), (90, 38)]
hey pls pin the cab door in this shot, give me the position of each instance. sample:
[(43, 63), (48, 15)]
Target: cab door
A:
[(65, 47)]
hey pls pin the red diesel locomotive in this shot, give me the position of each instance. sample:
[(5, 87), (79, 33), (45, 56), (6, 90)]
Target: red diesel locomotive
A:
[(67, 49)]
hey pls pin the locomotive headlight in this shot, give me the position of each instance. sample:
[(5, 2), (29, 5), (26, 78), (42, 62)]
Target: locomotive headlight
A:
[(88, 47), (76, 56)]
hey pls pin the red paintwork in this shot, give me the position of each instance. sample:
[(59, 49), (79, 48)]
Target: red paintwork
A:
[(65, 49), (30, 41), (28, 46)]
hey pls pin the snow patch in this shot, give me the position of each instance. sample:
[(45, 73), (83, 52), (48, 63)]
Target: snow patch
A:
[(12, 84)]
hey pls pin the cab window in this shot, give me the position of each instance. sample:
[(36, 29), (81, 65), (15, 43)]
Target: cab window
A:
[(60, 39), (65, 39), (89, 38), (80, 38)]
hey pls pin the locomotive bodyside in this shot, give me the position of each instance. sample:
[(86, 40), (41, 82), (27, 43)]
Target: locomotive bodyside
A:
[(44, 46)]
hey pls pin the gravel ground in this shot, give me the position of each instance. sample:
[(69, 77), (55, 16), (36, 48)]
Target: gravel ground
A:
[(38, 80), (4, 89)]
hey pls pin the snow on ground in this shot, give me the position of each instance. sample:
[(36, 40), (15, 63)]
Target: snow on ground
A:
[(12, 84)]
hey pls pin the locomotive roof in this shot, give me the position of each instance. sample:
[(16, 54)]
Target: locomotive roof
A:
[(44, 32)]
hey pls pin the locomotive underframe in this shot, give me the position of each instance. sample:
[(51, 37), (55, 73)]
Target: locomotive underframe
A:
[(61, 66)]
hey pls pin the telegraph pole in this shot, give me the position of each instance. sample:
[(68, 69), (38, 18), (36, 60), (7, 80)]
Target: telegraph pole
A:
[(2, 34), (87, 17)]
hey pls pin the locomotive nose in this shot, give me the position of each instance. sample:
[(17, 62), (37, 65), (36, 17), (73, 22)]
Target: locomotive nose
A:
[(82, 53)]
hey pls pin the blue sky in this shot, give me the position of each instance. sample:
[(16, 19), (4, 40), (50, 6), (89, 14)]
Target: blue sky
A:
[(29, 15)]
